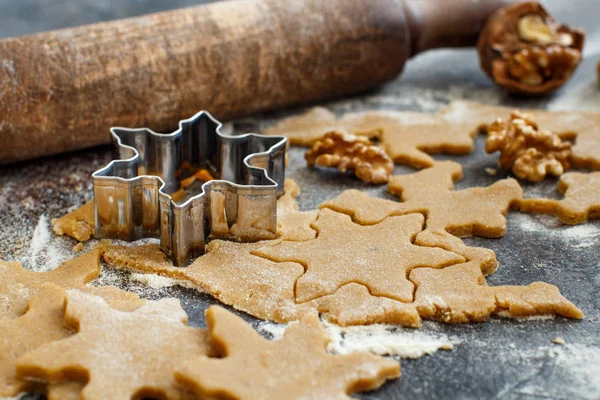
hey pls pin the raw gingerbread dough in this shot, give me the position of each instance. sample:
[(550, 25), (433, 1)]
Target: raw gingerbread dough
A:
[(463, 213), (581, 199), (293, 224), (136, 351), (78, 224), (459, 294), (407, 136), (297, 366), (229, 272), (304, 129), (18, 284), (583, 126), (41, 324), (473, 211), (378, 256), (352, 304)]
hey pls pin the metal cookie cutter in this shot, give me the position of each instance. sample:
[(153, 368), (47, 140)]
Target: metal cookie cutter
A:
[(189, 185)]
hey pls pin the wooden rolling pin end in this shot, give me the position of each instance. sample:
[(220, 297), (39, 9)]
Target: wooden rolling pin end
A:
[(62, 90)]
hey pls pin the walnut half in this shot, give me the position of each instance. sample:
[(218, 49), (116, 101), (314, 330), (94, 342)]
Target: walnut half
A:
[(524, 50), (348, 152), (531, 153)]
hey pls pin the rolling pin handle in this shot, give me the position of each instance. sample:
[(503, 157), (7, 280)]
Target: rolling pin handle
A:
[(452, 23)]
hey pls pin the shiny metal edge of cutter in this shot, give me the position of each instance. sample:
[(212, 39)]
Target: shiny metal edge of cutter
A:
[(133, 193)]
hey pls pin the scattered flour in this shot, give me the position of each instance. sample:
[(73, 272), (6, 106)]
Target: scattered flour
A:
[(377, 339), (385, 340), (576, 236), (542, 317), (158, 282), (558, 372), (46, 251)]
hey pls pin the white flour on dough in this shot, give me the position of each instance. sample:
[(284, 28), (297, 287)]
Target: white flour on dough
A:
[(377, 339)]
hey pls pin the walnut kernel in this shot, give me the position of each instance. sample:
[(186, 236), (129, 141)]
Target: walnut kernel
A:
[(530, 152), (348, 152), (524, 50)]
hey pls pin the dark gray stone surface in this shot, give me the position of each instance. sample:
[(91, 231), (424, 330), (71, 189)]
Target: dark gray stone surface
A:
[(501, 359)]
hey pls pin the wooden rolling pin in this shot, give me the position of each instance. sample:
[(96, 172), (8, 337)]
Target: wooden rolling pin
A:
[(62, 90)]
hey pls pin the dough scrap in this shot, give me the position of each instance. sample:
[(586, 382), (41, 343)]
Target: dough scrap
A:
[(296, 366), (377, 256), (468, 212), (583, 126), (459, 294), (43, 323), (145, 345), (306, 128), (293, 224), (407, 136), (352, 304), (581, 200), (18, 284), (78, 224), (229, 272)]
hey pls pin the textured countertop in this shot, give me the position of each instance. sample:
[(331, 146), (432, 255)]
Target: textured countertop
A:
[(503, 359)]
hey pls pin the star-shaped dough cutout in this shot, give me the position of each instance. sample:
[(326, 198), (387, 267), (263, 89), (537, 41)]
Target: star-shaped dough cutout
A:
[(352, 304), (408, 137), (297, 366), (135, 351), (229, 272), (473, 211), (581, 199), (41, 324), (377, 256), (18, 284), (460, 294)]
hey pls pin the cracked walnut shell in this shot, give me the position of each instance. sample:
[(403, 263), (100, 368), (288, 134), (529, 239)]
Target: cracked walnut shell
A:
[(530, 152), (348, 152), (524, 50)]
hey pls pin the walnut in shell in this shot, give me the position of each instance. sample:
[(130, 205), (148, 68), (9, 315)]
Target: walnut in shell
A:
[(524, 50), (530, 152), (348, 152)]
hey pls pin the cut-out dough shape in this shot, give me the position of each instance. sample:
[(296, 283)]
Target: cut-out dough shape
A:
[(41, 324), (410, 137), (228, 272), (377, 256), (407, 136), (583, 126), (78, 224), (296, 366), (459, 294), (293, 224), (136, 351), (352, 304), (472, 211), (581, 199), (263, 288), (18, 284)]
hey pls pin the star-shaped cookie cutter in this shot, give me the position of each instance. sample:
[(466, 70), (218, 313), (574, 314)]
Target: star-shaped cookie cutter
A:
[(146, 191)]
